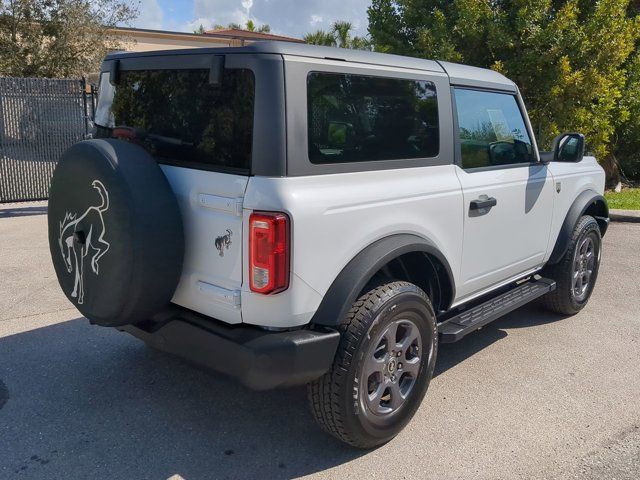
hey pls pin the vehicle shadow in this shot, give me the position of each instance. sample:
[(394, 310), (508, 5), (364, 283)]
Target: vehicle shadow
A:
[(90, 402), (8, 212), (450, 355)]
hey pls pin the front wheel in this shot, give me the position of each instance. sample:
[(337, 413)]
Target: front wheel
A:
[(577, 271), (382, 369)]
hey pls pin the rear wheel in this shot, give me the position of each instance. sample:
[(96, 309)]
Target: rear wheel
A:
[(576, 273), (382, 369)]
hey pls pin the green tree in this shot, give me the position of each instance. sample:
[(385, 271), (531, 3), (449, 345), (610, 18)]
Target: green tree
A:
[(627, 138), (569, 57), (338, 36), (58, 38)]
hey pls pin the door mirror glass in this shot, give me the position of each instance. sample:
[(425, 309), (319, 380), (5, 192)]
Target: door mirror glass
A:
[(568, 147)]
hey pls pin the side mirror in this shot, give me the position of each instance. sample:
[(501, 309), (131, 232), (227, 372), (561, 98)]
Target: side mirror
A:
[(568, 147)]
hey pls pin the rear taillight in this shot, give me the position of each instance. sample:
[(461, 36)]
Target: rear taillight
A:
[(268, 252)]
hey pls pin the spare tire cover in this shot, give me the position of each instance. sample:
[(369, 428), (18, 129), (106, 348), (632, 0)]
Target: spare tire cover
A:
[(115, 232)]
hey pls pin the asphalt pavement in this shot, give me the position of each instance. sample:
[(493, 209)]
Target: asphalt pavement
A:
[(531, 396)]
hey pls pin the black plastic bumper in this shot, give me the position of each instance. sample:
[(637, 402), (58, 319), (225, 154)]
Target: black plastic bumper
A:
[(259, 359)]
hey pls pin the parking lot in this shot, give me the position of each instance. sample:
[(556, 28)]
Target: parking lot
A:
[(533, 395)]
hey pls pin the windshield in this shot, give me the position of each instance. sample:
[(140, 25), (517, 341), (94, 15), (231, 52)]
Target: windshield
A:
[(180, 117)]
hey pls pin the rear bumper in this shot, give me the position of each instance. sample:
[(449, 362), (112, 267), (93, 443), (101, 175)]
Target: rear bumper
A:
[(259, 359)]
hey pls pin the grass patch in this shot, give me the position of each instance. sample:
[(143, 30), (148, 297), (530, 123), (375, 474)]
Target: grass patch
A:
[(627, 199)]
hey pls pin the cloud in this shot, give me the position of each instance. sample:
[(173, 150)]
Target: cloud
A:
[(223, 12), (287, 17), (194, 24), (150, 15)]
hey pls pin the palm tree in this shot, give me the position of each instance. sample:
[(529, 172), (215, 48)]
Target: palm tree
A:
[(251, 26), (320, 37), (342, 32), (338, 36)]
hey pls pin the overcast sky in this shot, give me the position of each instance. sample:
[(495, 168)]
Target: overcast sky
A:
[(286, 17)]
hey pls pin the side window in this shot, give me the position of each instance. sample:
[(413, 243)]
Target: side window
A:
[(355, 118), (492, 130)]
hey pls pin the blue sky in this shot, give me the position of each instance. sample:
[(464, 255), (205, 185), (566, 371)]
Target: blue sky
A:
[(286, 17)]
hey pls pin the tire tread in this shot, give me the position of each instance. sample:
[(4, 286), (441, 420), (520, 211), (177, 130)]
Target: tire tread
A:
[(559, 301), (323, 394)]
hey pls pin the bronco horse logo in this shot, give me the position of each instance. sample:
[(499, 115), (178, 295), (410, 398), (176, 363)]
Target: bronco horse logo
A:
[(223, 242), (83, 236)]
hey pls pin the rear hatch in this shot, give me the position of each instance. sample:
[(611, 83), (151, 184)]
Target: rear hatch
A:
[(197, 121)]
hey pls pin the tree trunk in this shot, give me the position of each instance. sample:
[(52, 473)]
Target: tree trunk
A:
[(611, 170)]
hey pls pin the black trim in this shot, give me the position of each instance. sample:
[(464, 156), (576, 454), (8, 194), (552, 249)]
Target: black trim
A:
[(457, 145), (476, 316), (490, 168), (361, 269), (483, 203), (217, 69), (114, 76), (506, 91), (246, 172), (259, 359), (166, 62), (580, 205)]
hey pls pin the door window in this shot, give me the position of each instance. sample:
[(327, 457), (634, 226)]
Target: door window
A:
[(492, 130)]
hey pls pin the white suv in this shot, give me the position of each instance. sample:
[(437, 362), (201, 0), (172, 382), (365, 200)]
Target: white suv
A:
[(290, 214)]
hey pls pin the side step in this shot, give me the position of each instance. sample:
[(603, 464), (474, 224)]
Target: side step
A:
[(456, 327)]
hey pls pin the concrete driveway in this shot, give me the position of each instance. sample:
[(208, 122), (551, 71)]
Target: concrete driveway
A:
[(533, 395)]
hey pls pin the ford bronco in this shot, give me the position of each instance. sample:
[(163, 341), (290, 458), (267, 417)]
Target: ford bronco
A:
[(291, 214)]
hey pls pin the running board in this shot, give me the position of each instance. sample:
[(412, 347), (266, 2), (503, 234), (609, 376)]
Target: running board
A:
[(470, 320)]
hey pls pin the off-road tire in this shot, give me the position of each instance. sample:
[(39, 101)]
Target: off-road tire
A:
[(335, 398), (563, 299)]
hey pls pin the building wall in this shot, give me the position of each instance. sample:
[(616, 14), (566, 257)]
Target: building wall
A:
[(136, 41)]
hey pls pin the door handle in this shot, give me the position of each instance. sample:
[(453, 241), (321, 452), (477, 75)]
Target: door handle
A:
[(483, 202)]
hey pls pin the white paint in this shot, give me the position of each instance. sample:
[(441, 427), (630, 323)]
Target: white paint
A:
[(212, 215), (334, 217), (511, 237)]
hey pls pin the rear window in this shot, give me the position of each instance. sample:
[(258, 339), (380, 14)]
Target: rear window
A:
[(355, 118), (180, 117)]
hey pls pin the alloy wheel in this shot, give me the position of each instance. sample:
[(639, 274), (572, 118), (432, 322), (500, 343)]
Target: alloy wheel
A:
[(391, 368)]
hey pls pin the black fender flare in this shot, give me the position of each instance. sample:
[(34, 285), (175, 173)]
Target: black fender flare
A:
[(587, 200), (361, 269)]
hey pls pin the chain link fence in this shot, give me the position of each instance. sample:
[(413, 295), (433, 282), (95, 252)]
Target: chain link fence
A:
[(39, 119)]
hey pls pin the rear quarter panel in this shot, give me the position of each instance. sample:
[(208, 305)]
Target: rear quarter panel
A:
[(336, 216)]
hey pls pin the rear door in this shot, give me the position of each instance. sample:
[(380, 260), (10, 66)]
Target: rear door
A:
[(211, 206), (508, 193), (198, 124)]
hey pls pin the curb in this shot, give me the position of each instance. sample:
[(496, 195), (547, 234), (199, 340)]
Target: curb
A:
[(628, 216)]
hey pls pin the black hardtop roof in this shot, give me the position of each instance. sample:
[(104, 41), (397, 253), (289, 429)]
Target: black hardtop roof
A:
[(459, 74)]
